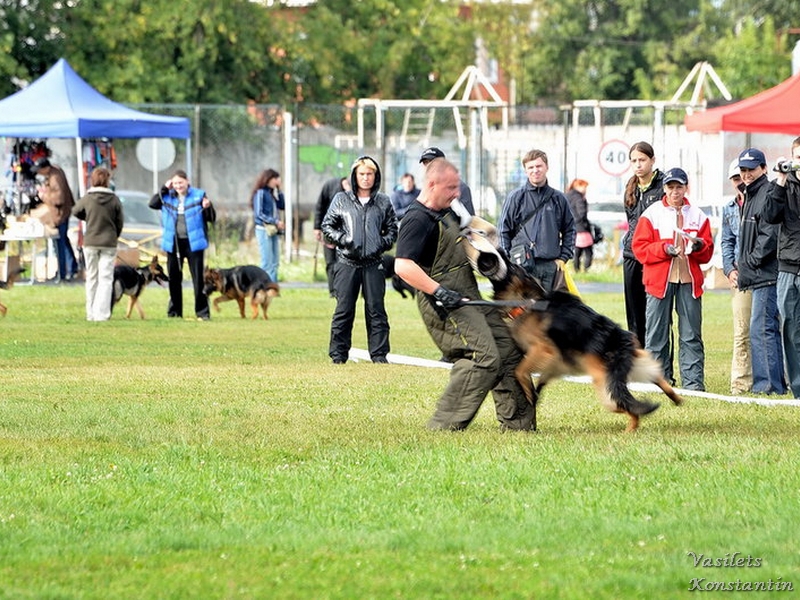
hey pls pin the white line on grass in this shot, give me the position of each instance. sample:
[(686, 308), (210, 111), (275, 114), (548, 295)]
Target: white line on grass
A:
[(357, 354)]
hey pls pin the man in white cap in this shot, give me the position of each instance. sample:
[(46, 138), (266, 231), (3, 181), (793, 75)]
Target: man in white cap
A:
[(741, 301), (464, 193)]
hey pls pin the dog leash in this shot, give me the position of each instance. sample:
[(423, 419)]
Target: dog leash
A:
[(532, 304)]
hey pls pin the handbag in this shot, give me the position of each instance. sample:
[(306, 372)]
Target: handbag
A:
[(522, 255), (597, 233), (271, 229)]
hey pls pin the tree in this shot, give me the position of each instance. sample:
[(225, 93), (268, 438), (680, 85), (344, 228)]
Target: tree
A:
[(164, 51), (754, 58), (31, 40), (386, 48), (601, 49)]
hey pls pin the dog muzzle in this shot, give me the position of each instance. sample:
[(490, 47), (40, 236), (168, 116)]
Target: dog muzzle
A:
[(483, 256)]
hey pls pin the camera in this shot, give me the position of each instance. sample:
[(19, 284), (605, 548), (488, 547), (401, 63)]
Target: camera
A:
[(787, 166)]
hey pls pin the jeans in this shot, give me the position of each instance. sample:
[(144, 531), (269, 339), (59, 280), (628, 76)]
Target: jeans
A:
[(691, 352), (545, 272), (268, 248), (765, 342), (789, 307), (67, 265), (741, 361)]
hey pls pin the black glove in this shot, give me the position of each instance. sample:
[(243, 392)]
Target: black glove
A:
[(671, 249), (697, 245), (448, 299)]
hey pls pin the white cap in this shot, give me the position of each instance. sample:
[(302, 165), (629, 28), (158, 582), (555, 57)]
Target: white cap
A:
[(733, 168)]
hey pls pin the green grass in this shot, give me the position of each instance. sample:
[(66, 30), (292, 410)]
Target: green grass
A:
[(229, 459)]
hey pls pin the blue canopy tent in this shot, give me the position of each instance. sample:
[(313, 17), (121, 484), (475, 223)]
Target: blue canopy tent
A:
[(60, 104)]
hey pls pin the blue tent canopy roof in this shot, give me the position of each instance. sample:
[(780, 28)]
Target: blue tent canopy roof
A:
[(60, 104)]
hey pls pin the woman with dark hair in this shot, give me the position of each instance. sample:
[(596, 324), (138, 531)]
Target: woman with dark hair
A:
[(576, 195), (643, 188), (267, 199), (186, 212)]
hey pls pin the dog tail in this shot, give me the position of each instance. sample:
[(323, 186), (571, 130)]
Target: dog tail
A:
[(621, 367)]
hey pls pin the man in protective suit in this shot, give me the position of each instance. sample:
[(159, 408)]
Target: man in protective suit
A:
[(431, 257)]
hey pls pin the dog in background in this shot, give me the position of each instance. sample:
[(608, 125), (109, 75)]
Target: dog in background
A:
[(131, 281), (561, 335), (400, 286), (8, 284), (239, 283)]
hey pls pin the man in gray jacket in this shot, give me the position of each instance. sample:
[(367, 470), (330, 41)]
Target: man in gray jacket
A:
[(536, 220)]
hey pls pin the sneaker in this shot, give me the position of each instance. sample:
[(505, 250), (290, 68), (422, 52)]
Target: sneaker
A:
[(381, 360), (339, 361)]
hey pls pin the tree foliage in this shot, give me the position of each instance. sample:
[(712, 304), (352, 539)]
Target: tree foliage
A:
[(206, 51)]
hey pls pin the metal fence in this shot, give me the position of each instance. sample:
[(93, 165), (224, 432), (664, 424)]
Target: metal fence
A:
[(310, 143)]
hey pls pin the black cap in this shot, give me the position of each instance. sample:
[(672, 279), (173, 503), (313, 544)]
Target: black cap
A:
[(430, 154), (676, 174), (40, 164)]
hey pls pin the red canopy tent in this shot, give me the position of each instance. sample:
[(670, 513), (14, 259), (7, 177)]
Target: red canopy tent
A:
[(776, 110)]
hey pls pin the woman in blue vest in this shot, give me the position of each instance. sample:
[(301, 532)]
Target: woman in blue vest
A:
[(185, 214)]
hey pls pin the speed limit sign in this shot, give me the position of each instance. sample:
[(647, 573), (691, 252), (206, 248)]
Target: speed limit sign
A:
[(613, 157)]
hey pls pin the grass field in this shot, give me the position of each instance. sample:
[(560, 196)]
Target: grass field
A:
[(230, 459)]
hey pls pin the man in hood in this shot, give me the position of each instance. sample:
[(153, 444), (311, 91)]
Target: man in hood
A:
[(362, 225)]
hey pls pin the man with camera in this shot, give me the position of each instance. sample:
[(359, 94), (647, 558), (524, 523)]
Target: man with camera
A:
[(783, 207)]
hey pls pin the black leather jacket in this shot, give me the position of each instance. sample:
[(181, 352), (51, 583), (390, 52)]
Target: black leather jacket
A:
[(360, 232)]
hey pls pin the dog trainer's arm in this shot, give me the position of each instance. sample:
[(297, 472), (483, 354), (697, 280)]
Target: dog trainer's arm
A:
[(413, 275)]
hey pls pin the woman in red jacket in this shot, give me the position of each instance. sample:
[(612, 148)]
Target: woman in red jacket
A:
[(672, 239)]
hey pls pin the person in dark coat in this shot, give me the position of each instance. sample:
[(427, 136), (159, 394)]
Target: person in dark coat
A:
[(758, 271), (783, 208), (576, 196), (329, 189), (362, 225)]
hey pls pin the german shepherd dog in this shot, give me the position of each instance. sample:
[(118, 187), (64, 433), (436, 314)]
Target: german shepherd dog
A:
[(237, 283), (561, 335), (131, 281), (7, 285)]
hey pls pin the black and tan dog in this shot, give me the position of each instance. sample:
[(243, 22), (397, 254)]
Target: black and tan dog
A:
[(560, 335), (240, 282), (8, 284), (131, 281)]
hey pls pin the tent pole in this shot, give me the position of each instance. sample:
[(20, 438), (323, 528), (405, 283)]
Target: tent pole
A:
[(188, 156), (81, 174)]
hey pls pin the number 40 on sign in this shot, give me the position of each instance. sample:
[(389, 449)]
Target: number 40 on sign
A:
[(613, 157)]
